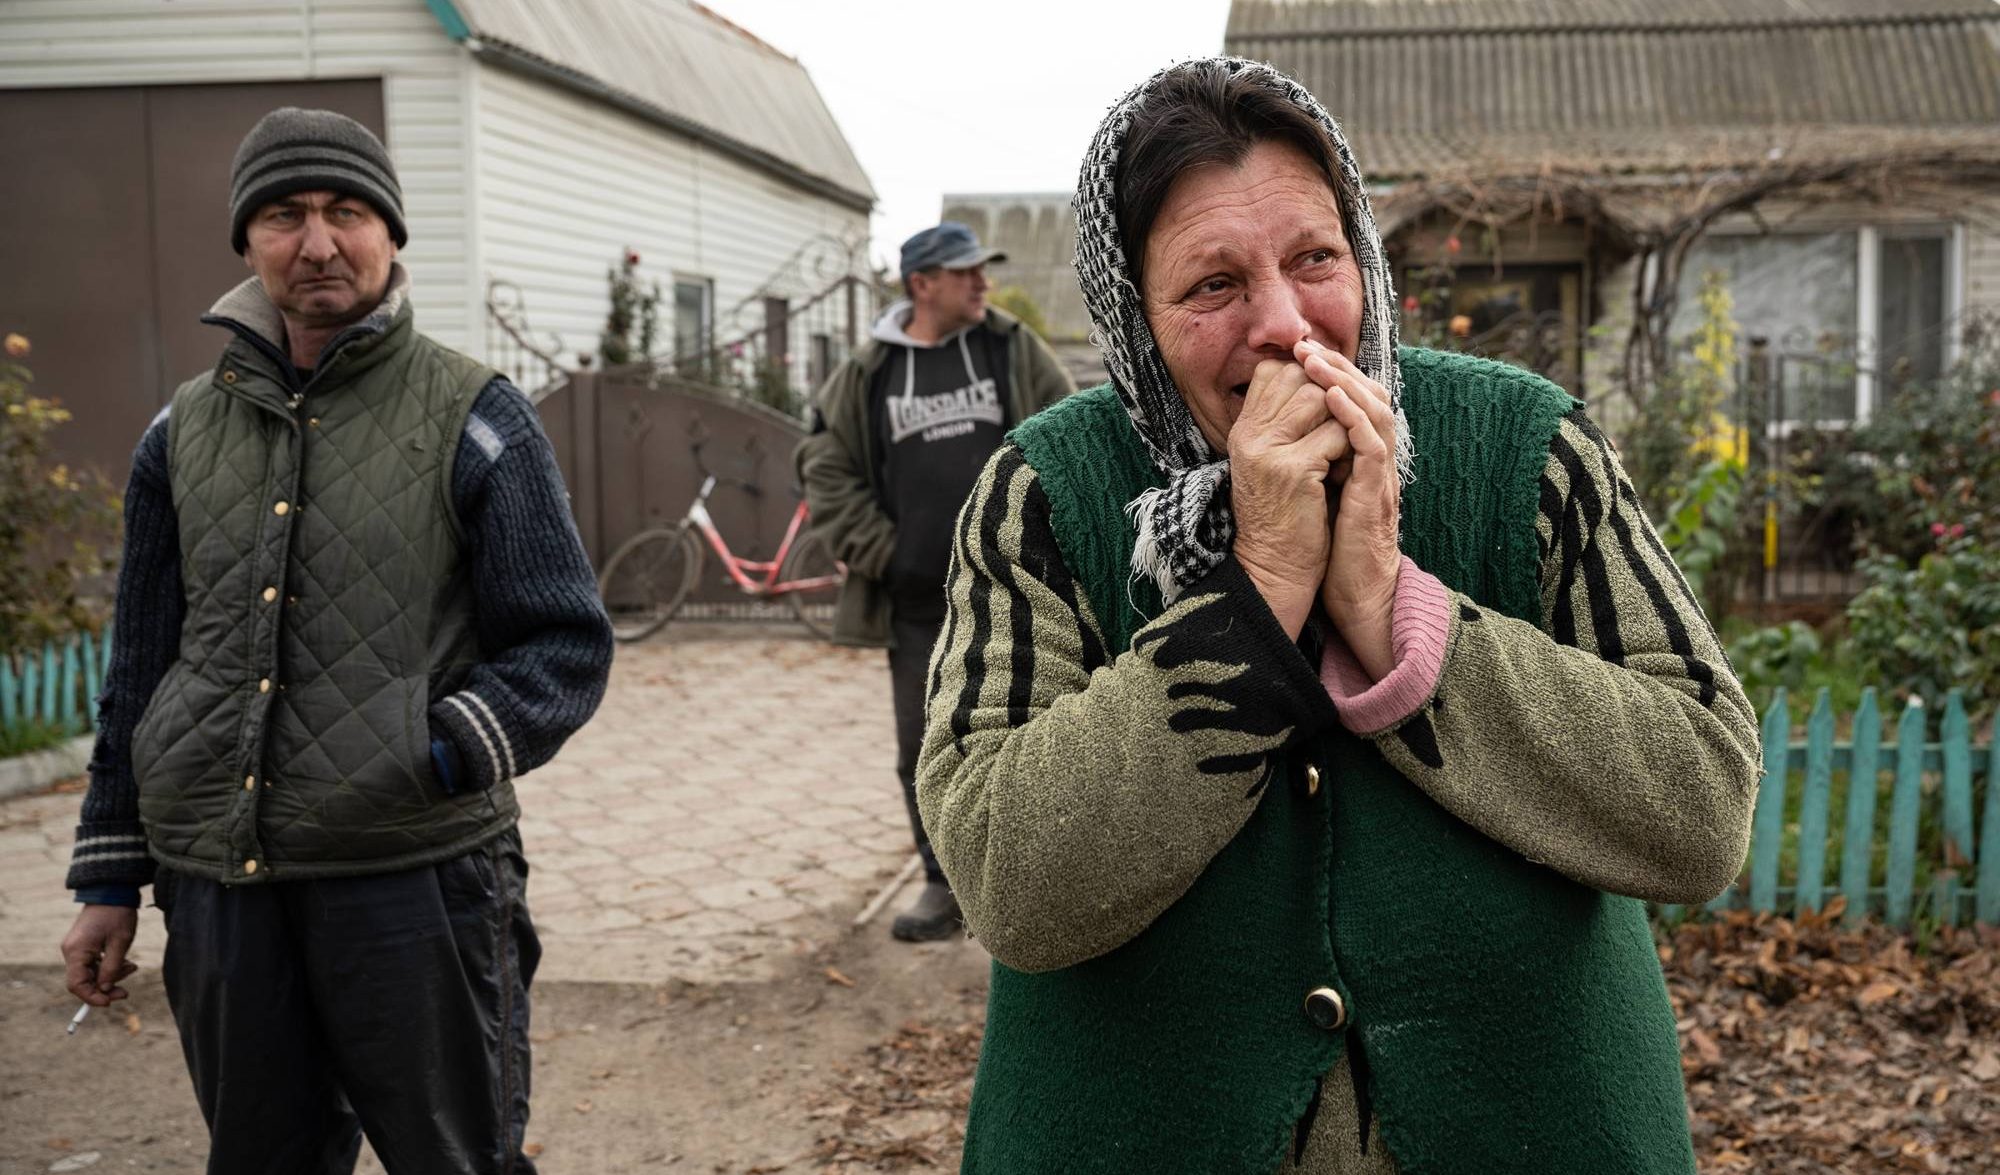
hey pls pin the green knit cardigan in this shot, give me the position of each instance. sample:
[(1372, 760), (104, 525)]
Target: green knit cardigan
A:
[(1501, 1018)]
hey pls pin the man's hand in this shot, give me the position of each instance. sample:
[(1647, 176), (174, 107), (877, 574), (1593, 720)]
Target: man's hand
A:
[(1359, 588), (94, 953), (1280, 449)]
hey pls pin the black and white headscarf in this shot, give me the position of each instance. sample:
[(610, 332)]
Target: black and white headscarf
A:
[(1186, 529)]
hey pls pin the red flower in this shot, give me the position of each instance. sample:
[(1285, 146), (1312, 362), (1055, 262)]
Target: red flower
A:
[(1937, 530), (631, 257), (1409, 303), (1451, 244), (1958, 530)]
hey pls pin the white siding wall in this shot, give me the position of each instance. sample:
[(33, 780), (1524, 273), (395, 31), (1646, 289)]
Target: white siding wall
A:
[(46, 43), (1982, 253), (566, 184)]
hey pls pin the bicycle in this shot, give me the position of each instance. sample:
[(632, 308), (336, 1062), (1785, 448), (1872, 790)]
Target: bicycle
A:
[(651, 574)]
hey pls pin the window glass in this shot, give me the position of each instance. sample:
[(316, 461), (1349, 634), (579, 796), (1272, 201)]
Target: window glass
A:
[(1911, 345), (1795, 290), (691, 320)]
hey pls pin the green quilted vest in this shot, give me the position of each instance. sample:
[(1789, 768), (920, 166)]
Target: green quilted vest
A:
[(327, 605), (1503, 1019)]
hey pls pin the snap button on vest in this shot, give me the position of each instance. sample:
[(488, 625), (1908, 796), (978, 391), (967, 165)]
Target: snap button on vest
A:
[(264, 686), (249, 782), (250, 866), (1326, 1009), (229, 377), (282, 509), (270, 593), (1312, 780)]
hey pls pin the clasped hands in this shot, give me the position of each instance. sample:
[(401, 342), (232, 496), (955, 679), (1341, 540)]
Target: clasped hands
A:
[(1310, 428)]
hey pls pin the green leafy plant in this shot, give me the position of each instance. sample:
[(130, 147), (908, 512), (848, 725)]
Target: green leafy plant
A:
[(1926, 628), (1698, 527), (1022, 305), (23, 738), (1779, 655), (635, 307), (1685, 426), (58, 525), (1688, 458)]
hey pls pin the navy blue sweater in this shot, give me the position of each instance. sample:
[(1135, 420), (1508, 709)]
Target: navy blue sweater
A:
[(544, 639)]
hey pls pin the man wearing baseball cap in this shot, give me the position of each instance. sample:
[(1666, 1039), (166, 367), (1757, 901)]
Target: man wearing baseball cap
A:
[(352, 608), (900, 433)]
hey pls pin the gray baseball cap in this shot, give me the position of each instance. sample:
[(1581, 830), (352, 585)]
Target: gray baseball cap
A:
[(950, 245)]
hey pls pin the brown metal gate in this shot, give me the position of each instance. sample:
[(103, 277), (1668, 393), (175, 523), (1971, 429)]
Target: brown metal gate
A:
[(625, 440)]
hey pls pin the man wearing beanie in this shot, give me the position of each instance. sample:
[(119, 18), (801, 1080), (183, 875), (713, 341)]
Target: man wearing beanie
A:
[(352, 608), (900, 433)]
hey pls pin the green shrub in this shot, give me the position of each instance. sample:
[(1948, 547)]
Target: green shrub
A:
[(58, 525), (1925, 629)]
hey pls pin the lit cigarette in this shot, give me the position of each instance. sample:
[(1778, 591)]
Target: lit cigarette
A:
[(77, 1019)]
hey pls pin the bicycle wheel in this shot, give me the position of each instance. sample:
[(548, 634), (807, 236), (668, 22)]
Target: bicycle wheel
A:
[(646, 580), (810, 558)]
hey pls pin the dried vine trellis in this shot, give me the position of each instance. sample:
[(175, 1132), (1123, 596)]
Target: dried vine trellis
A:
[(1659, 216)]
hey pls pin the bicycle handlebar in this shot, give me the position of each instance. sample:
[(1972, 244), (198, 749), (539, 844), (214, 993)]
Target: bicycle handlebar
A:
[(701, 467)]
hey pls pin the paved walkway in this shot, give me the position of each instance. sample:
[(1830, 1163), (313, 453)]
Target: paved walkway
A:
[(733, 802)]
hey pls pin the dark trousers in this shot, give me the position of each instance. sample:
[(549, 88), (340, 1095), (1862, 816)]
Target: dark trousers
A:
[(396, 1004), (909, 662)]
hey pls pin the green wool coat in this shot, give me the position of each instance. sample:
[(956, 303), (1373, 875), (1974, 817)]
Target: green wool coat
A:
[(1500, 1017)]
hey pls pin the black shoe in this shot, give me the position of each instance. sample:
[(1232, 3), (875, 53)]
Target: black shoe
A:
[(934, 917)]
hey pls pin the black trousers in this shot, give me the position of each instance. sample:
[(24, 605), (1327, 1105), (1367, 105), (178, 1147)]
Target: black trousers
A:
[(909, 662), (396, 1004)]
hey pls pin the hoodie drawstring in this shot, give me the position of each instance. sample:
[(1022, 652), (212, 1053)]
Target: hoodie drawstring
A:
[(971, 376)]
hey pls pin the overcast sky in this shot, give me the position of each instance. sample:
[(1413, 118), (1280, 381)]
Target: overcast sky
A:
[(951, 96)]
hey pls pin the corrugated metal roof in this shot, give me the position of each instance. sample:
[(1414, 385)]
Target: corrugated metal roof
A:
[(1306, 17), (1671, 94), (681, 61)]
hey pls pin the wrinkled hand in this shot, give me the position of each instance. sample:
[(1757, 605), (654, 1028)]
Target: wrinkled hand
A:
[(94, 953), (1280, 450), (1358, 590)]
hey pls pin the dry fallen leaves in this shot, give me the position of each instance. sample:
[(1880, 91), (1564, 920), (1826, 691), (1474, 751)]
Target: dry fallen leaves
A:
[(1812, 1049), (1807, 1049), (901, 1107)]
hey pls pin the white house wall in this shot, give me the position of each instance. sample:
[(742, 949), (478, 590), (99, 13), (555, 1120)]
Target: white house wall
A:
[(50, 43), (566, 184)]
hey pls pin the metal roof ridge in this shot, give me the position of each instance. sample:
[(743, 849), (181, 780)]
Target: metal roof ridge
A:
[(1605, 28)]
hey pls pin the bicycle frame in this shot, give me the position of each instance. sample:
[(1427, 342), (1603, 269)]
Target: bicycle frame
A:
[(739, 569)]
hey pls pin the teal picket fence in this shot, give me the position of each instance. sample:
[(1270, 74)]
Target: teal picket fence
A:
[(54, 687), (1884, 818)]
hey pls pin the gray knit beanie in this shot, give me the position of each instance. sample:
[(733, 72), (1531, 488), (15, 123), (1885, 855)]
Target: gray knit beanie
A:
[(293, 150)]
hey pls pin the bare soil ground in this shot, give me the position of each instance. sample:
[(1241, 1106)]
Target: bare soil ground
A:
[(720, 1079), (1806, 1048)]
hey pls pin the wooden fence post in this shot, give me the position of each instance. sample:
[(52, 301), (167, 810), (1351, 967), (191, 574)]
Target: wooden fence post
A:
[(1903, 810), (1813, 805), (1988, 908), (1857, 856), (1767, 829), (93, 680)]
